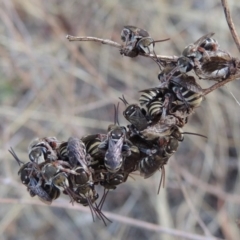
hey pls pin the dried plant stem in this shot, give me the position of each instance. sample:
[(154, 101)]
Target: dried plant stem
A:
[(118, 45), (160, 57), (220, 84), (94, 39), (230, 23), (125, 220)]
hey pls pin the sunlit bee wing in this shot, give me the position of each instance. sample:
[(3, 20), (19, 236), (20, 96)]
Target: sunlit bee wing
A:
[(113, 156), (39, 191), (187, 82), (77, 152), (137, 31), (203, 38)]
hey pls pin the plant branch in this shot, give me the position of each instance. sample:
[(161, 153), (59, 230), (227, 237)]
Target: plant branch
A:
[(220, 84), (230, 23), (119, 218), (118, 45), (162, 57)]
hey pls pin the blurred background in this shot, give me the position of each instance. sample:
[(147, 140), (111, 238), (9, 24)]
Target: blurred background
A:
[(52, 87)]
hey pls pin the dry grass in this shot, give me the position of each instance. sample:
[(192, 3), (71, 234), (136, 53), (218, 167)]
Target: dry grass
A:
[(52, 87)]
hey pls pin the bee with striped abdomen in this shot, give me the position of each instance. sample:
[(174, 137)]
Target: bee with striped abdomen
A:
[(187, 91), (157, 101), (91, 143)]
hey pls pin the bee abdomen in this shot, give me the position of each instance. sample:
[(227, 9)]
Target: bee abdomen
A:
[(148, 166), (155, 108), (148, 96)]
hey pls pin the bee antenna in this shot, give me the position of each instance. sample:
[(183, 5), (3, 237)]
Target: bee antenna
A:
[(105, 193), (162, 179), (92, 209), (123, 99), (116, 121), (15, 156), (162, 40), (196, 134)]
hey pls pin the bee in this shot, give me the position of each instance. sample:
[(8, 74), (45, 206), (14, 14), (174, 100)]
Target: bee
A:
[(76, 152), (187, 91), (152, 163), (159, 153), (193, 54), (136, 115), (35, 188), (218, 66), (157, 101), (197, 49), (30, 174), (53, 177), (27, 170), (42, 149), (131, 162), (110, 180), (130, 35), (138, 41), (115, 145), (91, 143), (161, 103)]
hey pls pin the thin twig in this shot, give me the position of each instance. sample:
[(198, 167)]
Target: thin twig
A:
[(125, 220), (118, 45), (220, 84), (230, 23), (211, 189), (190, 204), (94, 39)]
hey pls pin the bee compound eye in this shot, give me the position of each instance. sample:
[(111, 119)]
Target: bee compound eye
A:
[(123, 38)]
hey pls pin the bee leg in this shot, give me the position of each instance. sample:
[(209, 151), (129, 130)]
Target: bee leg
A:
[(51, 155), (105, 193), (133, 130), (165, 106), (162, 179), (204, 53), (58, 163), (158, 62), (103, 145), (70, 171), (180, 96)]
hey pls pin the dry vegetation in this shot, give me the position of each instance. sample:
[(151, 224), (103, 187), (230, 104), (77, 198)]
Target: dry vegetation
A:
[(52, 87)]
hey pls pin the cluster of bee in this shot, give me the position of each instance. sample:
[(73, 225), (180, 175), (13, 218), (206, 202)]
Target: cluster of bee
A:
[(75, 167), (204, 56)]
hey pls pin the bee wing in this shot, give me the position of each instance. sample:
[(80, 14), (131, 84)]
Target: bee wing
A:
[(137, 31), (89, 137), (115, 147), (188, 83), (215, 63), (202, 39)]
